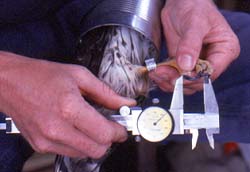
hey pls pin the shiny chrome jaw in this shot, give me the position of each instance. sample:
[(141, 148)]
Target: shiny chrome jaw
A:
[(192, 122)]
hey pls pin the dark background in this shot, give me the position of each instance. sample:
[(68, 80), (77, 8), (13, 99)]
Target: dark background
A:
[(235, 5)]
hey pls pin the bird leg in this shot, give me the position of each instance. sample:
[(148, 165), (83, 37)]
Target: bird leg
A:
[(202, 66)]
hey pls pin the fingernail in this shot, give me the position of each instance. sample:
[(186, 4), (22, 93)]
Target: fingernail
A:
[(186, 63)]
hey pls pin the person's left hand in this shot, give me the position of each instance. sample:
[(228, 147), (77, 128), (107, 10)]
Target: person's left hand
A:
[(194, 29)]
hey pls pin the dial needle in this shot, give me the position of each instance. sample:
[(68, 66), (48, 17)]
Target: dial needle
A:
[(156, 122)]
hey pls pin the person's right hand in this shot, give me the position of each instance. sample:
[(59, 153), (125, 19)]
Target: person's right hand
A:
[(195, 29), (45, 101)]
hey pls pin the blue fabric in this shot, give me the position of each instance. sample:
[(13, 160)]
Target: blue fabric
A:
[(42, 29), (49, 29), (14, 150)]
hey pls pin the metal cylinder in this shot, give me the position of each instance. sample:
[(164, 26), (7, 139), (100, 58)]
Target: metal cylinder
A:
[(140, 15)]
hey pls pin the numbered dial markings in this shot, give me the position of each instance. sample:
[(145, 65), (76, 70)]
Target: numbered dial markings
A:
[(155, 124)]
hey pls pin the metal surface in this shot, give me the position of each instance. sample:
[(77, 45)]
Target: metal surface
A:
[(9, 126), (150, 64), (2, 126), (141, 15), (154, 123), (176, 107), (192, 122)]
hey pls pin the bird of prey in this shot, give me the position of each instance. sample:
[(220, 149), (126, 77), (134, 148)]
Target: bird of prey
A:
[(123, 54)]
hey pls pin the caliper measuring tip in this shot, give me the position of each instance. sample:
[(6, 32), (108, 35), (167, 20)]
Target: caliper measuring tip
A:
[(195, 135)]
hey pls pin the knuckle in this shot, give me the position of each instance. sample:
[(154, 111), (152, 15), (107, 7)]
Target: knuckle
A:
[(79, 69), (68, 107), (52, 134), (164, 13), (41, 146), (52, 131), (234, 46), (75, 67), (237, 47)]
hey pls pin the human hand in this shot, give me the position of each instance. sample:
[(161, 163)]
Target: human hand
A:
[(194, 29), (45, 101)]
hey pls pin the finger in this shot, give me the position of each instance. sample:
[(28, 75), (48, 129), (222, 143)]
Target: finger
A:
[(188, 50), (94, 125), (164, 73), (189, 91), (167, 87), (74, 139), (164, 77), (84, 144), (163, 84), (65, 140), (45, 146), (224, 46), (220, 56), (195, 87), (188, 83), (99, 92)]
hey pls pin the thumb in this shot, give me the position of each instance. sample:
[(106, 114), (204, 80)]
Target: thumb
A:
[(99, 92), (188, 50), (105, 96)]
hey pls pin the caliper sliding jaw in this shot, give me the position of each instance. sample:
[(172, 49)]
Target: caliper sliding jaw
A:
[(192, 122)]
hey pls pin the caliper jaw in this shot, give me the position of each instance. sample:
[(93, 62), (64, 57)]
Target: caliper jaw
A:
[(212, 110), (192, 122), (9, 126), (176, 107)]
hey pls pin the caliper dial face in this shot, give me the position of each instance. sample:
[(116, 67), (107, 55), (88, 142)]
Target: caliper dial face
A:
[(155, 124)]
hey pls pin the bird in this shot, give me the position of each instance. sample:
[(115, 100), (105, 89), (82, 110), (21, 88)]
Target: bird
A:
[(122, 59), (124, 55)]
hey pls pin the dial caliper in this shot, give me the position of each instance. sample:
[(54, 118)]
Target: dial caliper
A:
[(156, 124)]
